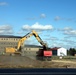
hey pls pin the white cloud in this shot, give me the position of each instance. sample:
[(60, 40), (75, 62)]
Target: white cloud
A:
[(57, 18), (37, 26), (72, 32), (68, 31), (3, 3), (52, 38), (6, 29), (69, 43), (56, 44), (32, 18), (20, 32), (32, 41), (42, 16)]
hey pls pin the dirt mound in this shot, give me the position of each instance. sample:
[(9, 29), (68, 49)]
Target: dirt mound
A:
[(17, 61), (26, 62)]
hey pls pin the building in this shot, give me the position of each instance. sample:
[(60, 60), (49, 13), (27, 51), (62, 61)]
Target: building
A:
[(54, 51), (62, 52), (59, 51), (8, 41), (31, 50), (12, 41)]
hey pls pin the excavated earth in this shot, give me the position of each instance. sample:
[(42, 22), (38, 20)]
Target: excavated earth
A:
[(26, 62)]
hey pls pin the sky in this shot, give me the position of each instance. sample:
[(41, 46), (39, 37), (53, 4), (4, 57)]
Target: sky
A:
[(53, 20)]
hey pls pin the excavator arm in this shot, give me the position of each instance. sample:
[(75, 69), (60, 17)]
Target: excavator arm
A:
[(39, 39), (33, 33), (21, 41)]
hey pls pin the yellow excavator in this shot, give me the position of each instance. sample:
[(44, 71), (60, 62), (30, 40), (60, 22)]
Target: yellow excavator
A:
[(44, 52)]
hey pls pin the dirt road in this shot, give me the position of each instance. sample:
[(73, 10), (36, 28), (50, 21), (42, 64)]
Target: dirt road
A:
[(65, 63), (26, 62)]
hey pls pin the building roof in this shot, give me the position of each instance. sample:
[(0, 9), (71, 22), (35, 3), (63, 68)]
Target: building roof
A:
[(55, 48), (33, 46), (9, 36)]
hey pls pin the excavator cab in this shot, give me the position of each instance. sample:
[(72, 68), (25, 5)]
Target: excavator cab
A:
[(44, 54)]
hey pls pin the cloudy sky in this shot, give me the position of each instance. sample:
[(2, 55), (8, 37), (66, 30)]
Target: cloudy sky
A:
[(53, 20)]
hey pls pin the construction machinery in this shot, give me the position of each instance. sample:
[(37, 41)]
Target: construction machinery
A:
[(44, 53)]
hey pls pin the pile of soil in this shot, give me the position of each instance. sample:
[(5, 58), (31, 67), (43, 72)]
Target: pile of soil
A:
[(26, 62)]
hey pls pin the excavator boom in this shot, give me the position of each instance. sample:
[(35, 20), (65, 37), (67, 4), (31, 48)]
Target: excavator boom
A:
[(21, 42), (33, 33)]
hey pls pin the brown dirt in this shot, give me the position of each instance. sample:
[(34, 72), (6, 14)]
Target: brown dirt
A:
[(25, 62)]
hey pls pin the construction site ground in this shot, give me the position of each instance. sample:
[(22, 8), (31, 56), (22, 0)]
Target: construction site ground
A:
[(29, 62)]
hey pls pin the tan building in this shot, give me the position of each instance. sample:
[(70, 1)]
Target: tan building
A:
[(12, 41), (8, 41), (31, 50)]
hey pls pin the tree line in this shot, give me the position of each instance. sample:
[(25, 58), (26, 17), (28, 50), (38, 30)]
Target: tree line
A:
[(71, 51)]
